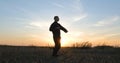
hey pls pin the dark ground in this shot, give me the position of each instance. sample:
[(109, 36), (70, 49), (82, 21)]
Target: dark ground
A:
[(17, 54)]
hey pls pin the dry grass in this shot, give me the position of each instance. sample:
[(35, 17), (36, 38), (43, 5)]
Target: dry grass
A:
[(11, 54), (83, 45)]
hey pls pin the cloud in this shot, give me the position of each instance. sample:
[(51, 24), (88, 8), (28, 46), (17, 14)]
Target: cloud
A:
[(38, 25), (77, 5), (113, 34), (58, 5), (71, 11), (107, 21), (70, 4), (74, 18), (77, 18)]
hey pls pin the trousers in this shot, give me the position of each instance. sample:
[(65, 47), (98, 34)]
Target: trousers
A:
[(57, 45)]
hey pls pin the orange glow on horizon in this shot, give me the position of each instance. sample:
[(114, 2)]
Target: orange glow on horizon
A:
[(64, 42)]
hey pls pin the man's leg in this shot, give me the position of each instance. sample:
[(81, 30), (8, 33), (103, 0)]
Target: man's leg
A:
[(57, 45)]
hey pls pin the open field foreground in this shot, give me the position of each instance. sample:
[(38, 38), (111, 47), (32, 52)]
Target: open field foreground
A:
[(17, 54)]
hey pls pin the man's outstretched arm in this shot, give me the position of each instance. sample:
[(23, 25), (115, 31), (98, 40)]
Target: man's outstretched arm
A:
[(64, 29)]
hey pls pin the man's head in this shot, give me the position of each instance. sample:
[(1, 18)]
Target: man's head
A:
[(56, 18)]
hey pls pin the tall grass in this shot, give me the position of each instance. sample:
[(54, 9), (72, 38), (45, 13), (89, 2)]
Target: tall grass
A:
[(83, 45), (86, 45)]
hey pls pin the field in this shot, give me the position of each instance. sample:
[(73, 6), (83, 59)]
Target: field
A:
[(32, 54)]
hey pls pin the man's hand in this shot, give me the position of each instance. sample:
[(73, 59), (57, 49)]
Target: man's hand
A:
[(66, 31)]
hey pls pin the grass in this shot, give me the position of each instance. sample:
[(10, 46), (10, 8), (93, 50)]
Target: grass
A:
[(81, 53), (83, 45)]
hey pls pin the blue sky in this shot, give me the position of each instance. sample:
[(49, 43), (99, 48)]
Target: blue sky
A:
[(26, 22)]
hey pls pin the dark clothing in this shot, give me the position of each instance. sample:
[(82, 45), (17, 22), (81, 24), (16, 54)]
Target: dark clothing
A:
[(57, 45), (55, 28)]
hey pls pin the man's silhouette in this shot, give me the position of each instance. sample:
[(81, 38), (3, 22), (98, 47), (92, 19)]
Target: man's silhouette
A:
[(55, 28)]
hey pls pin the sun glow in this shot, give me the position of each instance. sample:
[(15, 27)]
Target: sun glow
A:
[(65, 40)]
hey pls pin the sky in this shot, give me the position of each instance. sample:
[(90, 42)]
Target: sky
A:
[(27, 22)]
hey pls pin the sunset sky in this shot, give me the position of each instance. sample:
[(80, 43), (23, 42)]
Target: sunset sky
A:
[(26, 22)]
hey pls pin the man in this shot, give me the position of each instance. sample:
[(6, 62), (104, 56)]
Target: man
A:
[(55, 28)]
